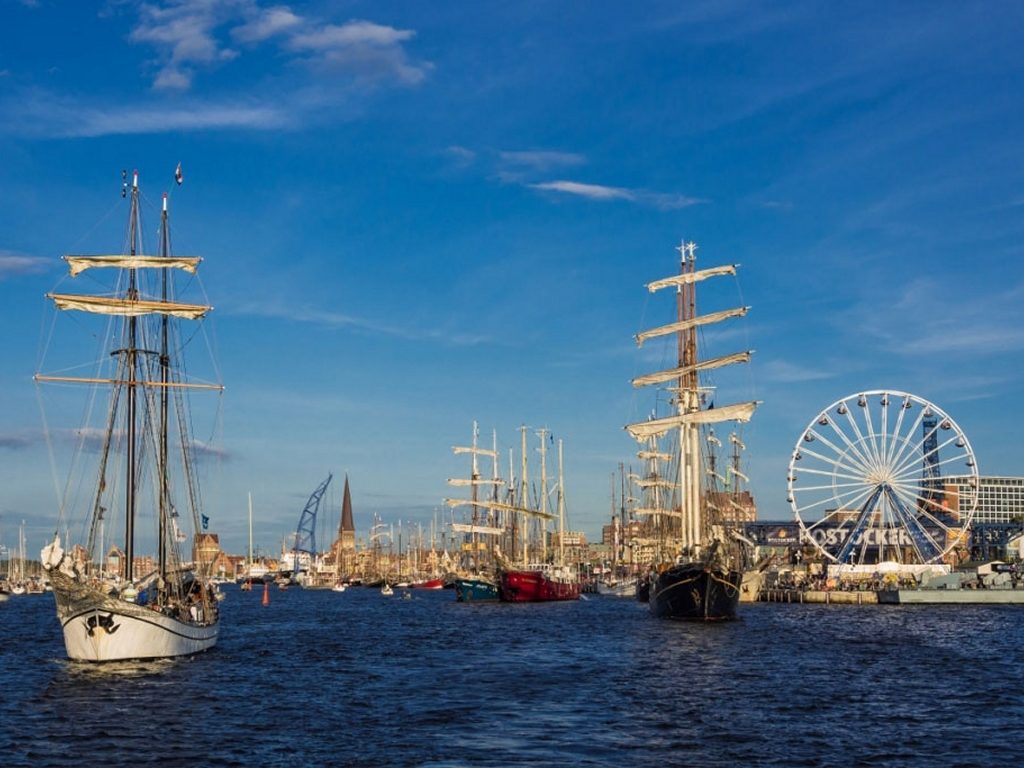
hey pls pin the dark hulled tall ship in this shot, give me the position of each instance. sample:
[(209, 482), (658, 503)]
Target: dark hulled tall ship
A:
[(698, 563)]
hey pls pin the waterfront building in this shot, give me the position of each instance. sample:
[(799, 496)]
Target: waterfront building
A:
[(1000, 499)]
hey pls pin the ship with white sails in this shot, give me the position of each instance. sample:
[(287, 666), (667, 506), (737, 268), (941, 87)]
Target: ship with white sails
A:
[(145, 469), (698, 558)]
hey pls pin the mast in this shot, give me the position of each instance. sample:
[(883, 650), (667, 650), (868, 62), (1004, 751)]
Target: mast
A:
[(250, 536), (165, 247), (543, 433), (523, 497), (561, 507), (130, 354), (689, 414)]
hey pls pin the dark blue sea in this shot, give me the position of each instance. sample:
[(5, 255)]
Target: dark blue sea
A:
[(354, 678)]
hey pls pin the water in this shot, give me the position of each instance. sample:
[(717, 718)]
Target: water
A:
[(354, 678)]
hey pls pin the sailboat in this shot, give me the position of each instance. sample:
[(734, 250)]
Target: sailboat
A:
[(478, 582), (544, 580), (702, 576), (172, 609)]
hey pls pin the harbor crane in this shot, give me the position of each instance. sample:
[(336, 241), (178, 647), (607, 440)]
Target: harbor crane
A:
[(305, 534)]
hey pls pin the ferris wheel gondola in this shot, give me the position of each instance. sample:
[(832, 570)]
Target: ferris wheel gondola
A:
[(865, 481)]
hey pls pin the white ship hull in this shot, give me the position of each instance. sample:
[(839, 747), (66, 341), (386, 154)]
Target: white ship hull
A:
[(99, 627)]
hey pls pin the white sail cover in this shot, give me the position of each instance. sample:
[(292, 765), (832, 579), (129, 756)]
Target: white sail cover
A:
[(484, 529), (706, 365), (78, 264), (682, 325), (656, 483), (654, 455), (103, 305), (688, 278), (656, 427), (461, 481), (653, 511), (457, 449)]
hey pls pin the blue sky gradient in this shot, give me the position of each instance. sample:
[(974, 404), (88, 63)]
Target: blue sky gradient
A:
[(414, 215)]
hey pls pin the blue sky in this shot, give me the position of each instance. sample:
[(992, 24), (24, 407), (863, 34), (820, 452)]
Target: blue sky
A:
[(414, 215)]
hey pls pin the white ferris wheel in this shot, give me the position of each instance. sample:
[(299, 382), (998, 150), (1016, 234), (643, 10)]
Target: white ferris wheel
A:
[(866, 481)]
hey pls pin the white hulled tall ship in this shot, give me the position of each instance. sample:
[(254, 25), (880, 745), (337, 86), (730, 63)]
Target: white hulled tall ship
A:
[(144, 462)]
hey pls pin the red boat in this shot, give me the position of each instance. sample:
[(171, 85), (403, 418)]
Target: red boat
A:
[(538, 584), (429, 584)]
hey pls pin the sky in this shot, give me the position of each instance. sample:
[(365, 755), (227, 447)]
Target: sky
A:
[(417, 215)]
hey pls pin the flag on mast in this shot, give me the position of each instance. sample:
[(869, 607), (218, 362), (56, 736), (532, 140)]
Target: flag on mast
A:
[(178, 176)]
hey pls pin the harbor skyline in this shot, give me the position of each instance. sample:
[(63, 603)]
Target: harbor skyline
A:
[(413, 218)]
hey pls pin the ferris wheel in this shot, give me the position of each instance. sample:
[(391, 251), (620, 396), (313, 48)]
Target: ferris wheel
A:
[(866, 481)]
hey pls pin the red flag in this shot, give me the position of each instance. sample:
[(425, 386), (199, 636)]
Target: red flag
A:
[(178, 176)]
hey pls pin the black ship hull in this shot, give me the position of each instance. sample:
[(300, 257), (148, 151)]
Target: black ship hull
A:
[(695, 592)]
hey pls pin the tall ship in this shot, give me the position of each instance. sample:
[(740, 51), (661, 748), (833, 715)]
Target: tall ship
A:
[(698, 556), (546, 578), (145, 486)]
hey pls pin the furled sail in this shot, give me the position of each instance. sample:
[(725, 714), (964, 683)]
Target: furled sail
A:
[(500, 506), (461, 481), (706, 365), (78, 264), (655, 427), (682, 325), (661, 512), (457, 449), (484, 529), (127, 307), (688, 278), (654, 455), (655, 482)]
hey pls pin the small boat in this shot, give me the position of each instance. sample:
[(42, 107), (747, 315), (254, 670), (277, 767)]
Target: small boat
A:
[(617, 587), (475, 590), (339, 587), (386, 590), (429, 584)]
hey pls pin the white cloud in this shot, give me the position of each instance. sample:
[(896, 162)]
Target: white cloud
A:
[(353, 33), (664, 201), (16, 264), (266, 23), (49, 116), (183, 34), (786, 372), (592, 191)]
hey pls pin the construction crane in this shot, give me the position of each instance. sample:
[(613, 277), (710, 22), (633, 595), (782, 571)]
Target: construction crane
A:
[(305, 534)]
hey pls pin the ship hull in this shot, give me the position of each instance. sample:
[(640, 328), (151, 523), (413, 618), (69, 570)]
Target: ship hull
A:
[(529, 586), (695, 592), (475, 591), (99, 627)]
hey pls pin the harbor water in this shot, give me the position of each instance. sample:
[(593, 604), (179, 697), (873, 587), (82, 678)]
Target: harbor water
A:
[(355, 678)]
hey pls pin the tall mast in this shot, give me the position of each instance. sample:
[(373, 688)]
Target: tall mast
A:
[(523, 486), (130, 354), (543, 434), (250, 534), (561, 507), (165, 249)]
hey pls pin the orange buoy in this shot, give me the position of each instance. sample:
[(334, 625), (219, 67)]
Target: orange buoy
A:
[(266, 594)]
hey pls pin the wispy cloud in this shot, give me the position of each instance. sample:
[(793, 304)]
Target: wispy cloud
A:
[(513, 166), (45, 115), (331, 319), (662, 200), (16, 264), (921, 320), (786, 372)]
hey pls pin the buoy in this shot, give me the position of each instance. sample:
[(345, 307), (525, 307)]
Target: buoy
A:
[(266, 594)]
